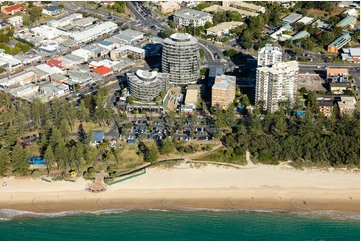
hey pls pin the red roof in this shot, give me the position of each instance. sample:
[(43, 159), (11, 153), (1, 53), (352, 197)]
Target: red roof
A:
[(13, 7), (102, 70), (54, 62)]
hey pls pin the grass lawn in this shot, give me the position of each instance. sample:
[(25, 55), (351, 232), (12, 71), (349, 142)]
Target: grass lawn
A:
[(219, 156), (90, 125)]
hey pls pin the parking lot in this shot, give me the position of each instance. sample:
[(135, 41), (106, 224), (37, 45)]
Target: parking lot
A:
[(160, 130)]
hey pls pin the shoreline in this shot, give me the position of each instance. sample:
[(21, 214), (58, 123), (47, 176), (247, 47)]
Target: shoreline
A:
[(187, 188)]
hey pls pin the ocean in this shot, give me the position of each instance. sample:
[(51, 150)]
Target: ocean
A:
[(178, 225)]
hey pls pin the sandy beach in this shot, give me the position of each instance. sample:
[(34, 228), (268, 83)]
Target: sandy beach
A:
[(184, 187)]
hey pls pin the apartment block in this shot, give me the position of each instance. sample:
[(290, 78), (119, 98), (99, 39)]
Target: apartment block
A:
[(276, 83), (269, 55), (223, 91), (192, 17)]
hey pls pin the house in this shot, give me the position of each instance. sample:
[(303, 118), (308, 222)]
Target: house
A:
[(98, 137), (339, 43), (16, 21), (11, 10), (51, 10)]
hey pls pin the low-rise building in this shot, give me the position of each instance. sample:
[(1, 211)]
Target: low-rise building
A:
[(337, 75), (84, 22), (223, 28), (126, 50), (305, 20), (348, 4), (54, 63), (248, 6), (10, 62), (70, 60), (348, 21), (223, 91), (300, 35), (58, 23), (321, 24), (216, 8), (103, 71), (49, 90), (192, 17), (48, 33), (325, 107), (339, 43), (351, 12), (19, 79), (129, 36), (51, 10), (11, 10), (59, 78), (347, 105), (168, 7), (292, 18), (16, 21), (351, 54), (81, 77), (192, 95), (339, 87), (95, 32), (83, 53), (278, 34)]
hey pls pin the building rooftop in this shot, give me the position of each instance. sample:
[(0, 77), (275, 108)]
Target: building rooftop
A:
[(85, 21), (349, 20), (51, 8), (13, 7), (305, 20), (248, 6), (224, 25), (337, 71), (325, 103), (102, 70), (293, 17), (354, 52), (341, 41), (96, 30), (224, 82), (181, 39), (215, 8), (300, 35), (191, 14), (191, 97), (98, 136)]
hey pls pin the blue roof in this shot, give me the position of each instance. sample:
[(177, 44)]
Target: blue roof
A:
[(106, 43), (36, 160), (98, 136)]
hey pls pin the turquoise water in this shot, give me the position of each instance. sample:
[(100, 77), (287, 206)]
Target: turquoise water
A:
[(178, 225)]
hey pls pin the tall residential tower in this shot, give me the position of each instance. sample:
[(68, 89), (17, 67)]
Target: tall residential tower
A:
[(276, 83), (181, 59)]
